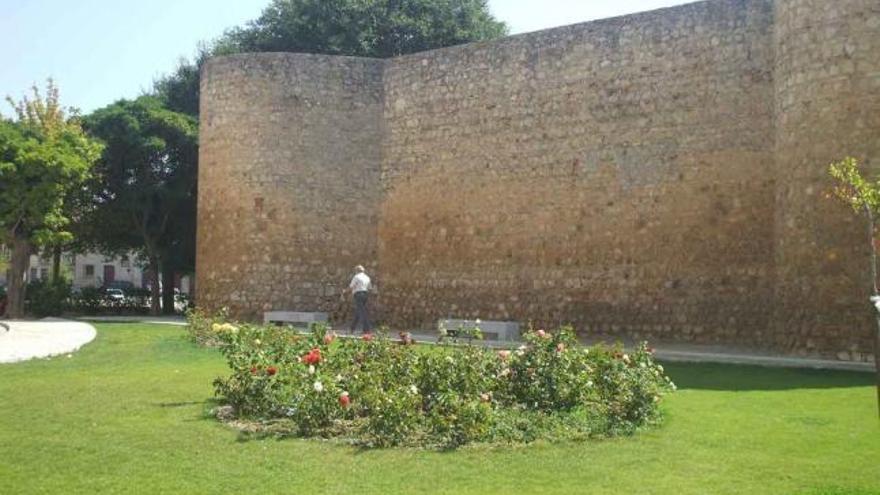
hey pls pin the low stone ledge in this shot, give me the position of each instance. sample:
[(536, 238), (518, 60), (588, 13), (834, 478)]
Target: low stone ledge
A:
[(306, 317), (507, 331)]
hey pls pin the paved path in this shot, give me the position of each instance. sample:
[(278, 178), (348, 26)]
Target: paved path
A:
[(158, 320), (35, 339), (695, 353), (665, 351)]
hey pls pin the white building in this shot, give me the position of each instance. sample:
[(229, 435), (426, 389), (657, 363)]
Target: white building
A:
[(93, 270)]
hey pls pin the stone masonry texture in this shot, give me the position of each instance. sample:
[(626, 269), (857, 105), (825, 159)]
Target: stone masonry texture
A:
[(657, 176)]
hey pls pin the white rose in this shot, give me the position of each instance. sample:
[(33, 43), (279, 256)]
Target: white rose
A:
[(413, 389), (319, 387), (311, 369)]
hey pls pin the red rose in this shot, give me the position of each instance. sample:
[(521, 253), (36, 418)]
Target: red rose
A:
[(271, 370), (344, 400), (328, 338), (254, 370), (313, 357), (367, 337)]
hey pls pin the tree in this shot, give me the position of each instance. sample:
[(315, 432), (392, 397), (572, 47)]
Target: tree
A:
[(863, 196), (145, 189), (44, 154), (371, 28), (362, 28)]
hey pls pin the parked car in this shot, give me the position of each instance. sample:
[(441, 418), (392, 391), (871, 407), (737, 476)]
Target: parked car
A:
[(124, 285), (115, 295)]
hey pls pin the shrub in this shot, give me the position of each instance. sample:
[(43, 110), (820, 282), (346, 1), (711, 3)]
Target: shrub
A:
[(88, 301), (379, 392), (47, 298), (199, 326)]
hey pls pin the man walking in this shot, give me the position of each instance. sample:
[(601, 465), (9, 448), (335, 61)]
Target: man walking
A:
[(360, 288)]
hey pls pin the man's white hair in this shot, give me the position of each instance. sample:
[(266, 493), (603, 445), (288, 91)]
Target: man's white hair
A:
[(359, 269)]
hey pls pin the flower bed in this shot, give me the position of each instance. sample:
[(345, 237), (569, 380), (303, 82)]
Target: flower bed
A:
[(375, 391)]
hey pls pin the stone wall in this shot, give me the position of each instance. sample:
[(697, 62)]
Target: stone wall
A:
[(827, 107), (617, 175), (288, 179), (652, 176)]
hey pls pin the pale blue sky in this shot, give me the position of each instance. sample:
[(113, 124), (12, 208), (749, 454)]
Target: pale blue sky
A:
[(102, 50)]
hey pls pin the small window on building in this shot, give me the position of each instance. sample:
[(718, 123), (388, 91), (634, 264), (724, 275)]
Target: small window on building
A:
[(124, 263), (90, 270), (44, 273), (33, 273)]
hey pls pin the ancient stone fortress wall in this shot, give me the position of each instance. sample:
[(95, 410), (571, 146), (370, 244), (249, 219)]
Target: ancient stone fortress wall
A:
[(656, 176), (289, 179)]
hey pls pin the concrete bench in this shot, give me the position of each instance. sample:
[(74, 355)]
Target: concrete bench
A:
[(294, 317), (492, 330)]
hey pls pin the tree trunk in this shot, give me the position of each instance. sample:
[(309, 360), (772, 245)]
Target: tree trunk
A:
[(167, 291), (153, 267), (874, 293), (18, 267), (56, 264)]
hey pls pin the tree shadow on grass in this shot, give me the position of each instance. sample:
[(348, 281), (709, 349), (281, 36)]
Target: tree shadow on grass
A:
[(734, 377)]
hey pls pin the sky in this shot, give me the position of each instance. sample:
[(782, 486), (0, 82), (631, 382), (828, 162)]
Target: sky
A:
[(99, 51)]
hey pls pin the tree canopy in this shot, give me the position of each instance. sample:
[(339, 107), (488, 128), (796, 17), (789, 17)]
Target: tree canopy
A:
[(363, 28), (44, 156), (145, 189)]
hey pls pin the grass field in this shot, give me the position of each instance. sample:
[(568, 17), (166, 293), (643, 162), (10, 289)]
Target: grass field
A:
[(127, 413)]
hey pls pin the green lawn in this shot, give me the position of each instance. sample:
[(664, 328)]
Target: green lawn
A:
[(127, 414)]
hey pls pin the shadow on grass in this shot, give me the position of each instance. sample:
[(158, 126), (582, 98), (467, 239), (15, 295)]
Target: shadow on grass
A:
[(181, 404), (709, 376)]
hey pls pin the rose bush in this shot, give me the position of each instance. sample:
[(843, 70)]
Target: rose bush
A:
[(378, 391)]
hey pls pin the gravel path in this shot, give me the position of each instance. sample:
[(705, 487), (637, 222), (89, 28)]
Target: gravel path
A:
[(35, 339)]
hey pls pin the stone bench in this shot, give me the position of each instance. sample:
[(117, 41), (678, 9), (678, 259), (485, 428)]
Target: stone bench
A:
[(492, 330), (294, 317)]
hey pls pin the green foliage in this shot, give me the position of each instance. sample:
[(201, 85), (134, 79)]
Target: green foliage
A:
[(852, 188), (371, 28), (95, 301), (377, 392), (88, 301), (144, 198), (199, 326), (43, 156), (47, 297), (363, 28), (146, 173)]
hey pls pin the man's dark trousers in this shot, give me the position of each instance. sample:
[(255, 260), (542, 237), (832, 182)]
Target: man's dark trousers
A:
[(360, 311)]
